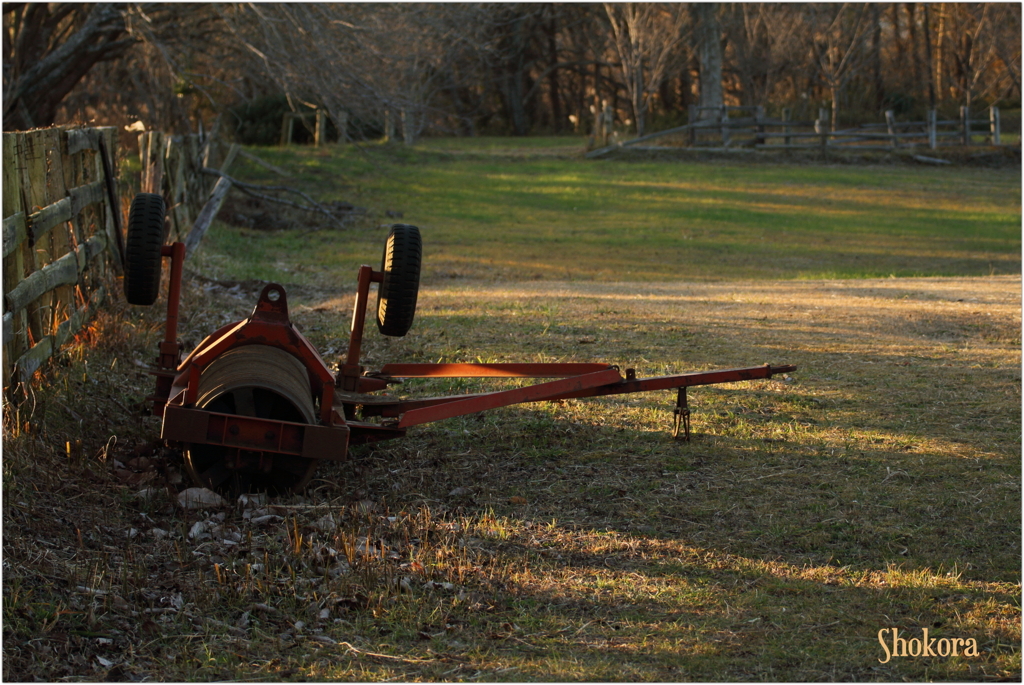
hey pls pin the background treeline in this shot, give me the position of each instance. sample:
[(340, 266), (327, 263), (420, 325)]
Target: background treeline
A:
[(517, 69)]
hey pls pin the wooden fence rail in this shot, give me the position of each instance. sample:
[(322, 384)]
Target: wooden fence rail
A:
[(755, 130), (61, 239)]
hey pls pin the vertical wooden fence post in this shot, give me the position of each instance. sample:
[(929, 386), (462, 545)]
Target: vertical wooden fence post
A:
[(933, 138), (607, 121), (33, 184), (759, 125), (389, 125), (787, 113), (320, 133), (287, 128), (408, 127), (965, 125), (993, 125), (63, 302), (16, 336), (343, 127), (821, 128), (691, 120), (723, 118), (890, 125)]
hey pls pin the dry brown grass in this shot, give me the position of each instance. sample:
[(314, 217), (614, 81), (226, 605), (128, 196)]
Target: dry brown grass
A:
[(878, 486)]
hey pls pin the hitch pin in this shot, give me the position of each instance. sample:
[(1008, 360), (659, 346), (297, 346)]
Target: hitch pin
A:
[(681, 416)]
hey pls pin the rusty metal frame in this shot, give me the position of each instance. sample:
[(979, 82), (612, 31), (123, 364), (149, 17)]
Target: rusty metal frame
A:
[(537, 393), (343, 394)]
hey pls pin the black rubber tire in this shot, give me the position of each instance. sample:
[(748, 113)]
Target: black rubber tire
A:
[(142, 263), (396, 297)]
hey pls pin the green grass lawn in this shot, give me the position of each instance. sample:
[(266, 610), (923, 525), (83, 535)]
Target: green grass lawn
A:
[(497, 209)]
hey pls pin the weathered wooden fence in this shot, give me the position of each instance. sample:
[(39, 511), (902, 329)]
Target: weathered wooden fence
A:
[(61, 238), (719, 128), (172, 166)]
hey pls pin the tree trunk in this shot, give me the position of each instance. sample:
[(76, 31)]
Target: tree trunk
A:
[(915, 52), (554, 92), (708, 36), (876, 57), (928, 56), (835, 108)]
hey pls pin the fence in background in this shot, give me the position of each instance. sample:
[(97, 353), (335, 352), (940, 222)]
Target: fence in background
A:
[(718, 128), (61, 239)]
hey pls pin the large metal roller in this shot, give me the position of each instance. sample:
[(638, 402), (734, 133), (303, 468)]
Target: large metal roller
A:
[(264, 382)]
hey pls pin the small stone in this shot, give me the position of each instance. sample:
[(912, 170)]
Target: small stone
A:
[(147, 494), (140, 464), (253, 500), (325, 524), (269, 518), (200, 498)]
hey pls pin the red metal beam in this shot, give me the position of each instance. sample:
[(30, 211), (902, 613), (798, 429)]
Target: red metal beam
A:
[(532, 393), (399, 407), (686, 380), (489, 370)]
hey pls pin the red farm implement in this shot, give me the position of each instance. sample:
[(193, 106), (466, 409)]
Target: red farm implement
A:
[(255, 407)]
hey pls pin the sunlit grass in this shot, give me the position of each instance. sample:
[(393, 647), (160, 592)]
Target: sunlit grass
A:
[(495, 217)]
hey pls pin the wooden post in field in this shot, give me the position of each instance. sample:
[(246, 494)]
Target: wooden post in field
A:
[(212, 206), (287, 128), (692, 119), (343, 127), (389, 125), (33, 186), (890, 124), (723, 118), (821, 128), (408, 127), (993, 125), (787, 113), (320, 132), (933, 138), (151, 150), (15, 334), (759, 125), (965, 125)]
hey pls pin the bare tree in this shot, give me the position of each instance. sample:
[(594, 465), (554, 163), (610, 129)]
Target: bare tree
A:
[(762, 46), (48, 48), (972, 49), (646, 36), (838, 50)]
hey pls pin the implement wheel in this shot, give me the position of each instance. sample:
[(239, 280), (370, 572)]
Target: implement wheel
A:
[(142, 261), (267, 383), (396, 297)]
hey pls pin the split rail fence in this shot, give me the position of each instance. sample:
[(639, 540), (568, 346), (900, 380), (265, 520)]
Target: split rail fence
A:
[(61, 239), (62, 227), (716, 128)]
